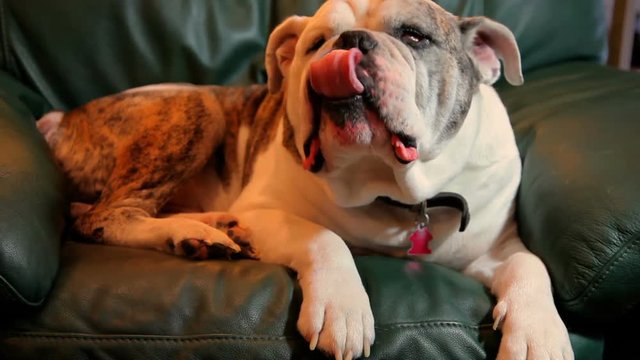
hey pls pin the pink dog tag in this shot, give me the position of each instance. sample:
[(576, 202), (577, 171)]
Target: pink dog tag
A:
[(421, 236), (420, 241)]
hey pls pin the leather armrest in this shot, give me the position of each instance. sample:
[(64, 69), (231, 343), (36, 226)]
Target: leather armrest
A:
[(31, 201), (577, 127)]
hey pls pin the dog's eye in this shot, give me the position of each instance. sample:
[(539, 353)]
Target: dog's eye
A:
[(414, 38), (316, 45)]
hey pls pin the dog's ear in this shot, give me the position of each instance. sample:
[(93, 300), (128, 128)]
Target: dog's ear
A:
[(486, 41), (281, 49)]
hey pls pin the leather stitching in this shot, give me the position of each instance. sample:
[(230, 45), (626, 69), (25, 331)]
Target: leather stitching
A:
[(433, 324), (217, 338), (147, 339), (595, 284)]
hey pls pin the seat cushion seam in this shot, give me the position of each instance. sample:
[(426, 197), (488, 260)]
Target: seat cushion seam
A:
[(432, 324), (217, 337), (593, 286), (8, 289), (142, 338)]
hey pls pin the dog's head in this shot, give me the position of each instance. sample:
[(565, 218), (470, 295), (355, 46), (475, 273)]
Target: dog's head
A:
[(377, 87)]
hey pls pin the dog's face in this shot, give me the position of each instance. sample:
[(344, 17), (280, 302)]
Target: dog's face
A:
[(380, 86)]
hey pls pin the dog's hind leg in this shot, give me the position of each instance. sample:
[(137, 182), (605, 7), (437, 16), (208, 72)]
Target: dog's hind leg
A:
[(125, 215), (132, 226), (136, 191), (148, 169)]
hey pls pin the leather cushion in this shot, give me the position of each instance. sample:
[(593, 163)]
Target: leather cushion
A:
[(31, 202), (114, 302), (119, 301), (78, 50), (579, 206)]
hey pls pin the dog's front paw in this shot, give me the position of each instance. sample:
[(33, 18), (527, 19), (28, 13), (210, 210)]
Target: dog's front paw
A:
[(240, 235), (229, 225), (531, 332), (336, 316), (196, 240), (209, 235), (199, 249)]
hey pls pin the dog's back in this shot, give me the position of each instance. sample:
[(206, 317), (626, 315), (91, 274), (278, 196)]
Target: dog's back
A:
[(192, 128), (135, 155)]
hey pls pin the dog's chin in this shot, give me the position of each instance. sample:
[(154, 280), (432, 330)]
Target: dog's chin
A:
[(352, 123)]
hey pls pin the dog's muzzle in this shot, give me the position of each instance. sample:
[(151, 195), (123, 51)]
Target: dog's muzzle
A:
[(340, 83)]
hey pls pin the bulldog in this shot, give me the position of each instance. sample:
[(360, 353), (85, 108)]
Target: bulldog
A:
[(378, 128)]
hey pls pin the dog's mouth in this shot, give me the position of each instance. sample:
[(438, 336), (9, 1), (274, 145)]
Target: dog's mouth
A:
[(342, 90)]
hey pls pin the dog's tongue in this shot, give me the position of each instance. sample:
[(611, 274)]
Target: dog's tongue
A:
[(404, 153), (334, 76)]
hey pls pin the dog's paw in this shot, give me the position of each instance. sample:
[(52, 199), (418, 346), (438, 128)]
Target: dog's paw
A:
[(198, 249), (336, 317), (240, 235), (229, 224), (227, 229), (531, 332), (196, 240)]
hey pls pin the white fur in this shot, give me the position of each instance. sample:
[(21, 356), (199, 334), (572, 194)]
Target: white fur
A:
[(300, 220), (488, 250), (305, 221)]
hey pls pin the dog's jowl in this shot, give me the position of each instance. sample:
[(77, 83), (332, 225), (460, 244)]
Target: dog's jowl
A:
[(378, 126)]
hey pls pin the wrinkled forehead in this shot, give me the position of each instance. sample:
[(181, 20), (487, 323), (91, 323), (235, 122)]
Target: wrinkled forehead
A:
[(342, 15)]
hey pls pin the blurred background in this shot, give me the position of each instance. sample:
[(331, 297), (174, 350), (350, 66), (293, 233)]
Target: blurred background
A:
[(624, 35)]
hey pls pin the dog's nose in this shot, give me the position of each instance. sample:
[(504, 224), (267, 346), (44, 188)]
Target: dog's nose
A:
[(356, 39)]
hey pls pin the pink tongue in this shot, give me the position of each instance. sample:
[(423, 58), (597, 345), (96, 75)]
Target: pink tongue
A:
[(334, 76), (313, 153), (404, 153)]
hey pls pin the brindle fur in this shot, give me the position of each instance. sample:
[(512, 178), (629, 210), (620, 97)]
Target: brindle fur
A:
[(151, 142)]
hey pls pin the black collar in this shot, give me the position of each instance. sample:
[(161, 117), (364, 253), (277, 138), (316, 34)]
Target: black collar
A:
[(443, 199)]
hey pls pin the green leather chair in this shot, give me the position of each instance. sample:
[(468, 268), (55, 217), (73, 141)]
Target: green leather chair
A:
[(576, 121)]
